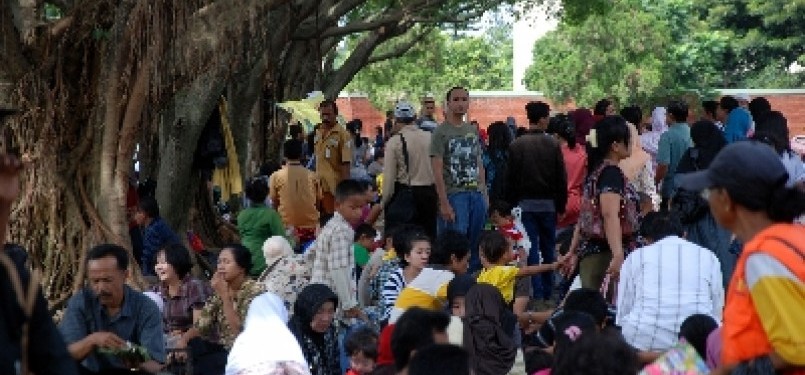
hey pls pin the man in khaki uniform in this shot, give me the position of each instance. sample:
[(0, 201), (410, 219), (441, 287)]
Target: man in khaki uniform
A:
[(333, 151)]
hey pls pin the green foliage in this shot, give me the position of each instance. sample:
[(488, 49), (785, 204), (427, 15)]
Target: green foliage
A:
[(603, 57), (643, 50), (437, 63)]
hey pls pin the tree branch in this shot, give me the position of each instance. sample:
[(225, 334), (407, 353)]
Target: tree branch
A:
[(400, 49), (360, 55)]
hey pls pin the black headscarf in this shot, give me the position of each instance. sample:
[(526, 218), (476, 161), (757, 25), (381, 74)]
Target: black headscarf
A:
[(320, 349), (491, 348)]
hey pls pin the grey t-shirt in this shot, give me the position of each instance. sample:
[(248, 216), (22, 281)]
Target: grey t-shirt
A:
[(460, 150)]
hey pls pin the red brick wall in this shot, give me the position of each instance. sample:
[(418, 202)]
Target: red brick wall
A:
[(487, 109)]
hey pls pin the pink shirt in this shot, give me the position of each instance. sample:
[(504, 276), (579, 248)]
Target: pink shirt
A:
[(576, 167)]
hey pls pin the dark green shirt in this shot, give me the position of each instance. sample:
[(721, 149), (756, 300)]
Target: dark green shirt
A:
[(255, 225)]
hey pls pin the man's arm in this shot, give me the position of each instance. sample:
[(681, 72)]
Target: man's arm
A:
[(437, 164), (151, 336), (346, 155), (482, 178), (273, 191), (389, 171)]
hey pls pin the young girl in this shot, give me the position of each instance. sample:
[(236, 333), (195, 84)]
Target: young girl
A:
[(413, 249)]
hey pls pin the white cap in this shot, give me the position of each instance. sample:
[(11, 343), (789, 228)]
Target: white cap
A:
[(404, 109), (743, 96)]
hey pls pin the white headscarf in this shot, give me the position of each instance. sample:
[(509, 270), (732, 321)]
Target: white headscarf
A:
[(651, 140), (265, 339)]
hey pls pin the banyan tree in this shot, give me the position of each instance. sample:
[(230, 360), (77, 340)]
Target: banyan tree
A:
[(98, 80)]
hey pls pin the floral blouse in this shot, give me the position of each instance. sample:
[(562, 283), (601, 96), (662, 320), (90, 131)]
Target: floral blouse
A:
[(287, 277), (212, 324)]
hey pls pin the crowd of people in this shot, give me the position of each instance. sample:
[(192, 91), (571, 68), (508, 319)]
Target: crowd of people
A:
[(587, 242)]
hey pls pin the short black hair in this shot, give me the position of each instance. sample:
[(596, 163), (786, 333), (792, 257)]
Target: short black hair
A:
[(728, 103), (449, 243), (348, 188), (379, 154), (633, 114), (242, 255), (678, 110), (149, 206), (413, 331), (695, 330), (404, 239), (500, 207), (600, 108), (257, 190), (454, 88), (537, 360), (493, 245), (295, 131), (109, 249), (363, 340), (588, 301), (179, 258), (759, 107), (444, 359), (331, 103), (597, 354), (365, 230), (775, 125), (710, 107), (293, 149), (658, 225), (536, 111)]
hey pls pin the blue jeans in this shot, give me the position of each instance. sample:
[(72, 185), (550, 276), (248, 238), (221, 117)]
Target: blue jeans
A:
[(541, 229), (470, 210)]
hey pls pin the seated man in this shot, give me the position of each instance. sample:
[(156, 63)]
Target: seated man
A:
[(665, 282), (108, 315)]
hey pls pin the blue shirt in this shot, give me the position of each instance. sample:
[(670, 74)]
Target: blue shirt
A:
[(739, 121), (673, 144), (139, 322)]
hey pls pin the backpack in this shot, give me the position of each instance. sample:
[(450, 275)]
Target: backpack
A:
[(689, 205)]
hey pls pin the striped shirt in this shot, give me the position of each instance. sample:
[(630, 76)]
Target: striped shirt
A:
[(391, 290), (661, 285)]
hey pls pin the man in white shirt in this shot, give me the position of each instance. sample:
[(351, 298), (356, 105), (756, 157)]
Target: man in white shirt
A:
[(665, 282)]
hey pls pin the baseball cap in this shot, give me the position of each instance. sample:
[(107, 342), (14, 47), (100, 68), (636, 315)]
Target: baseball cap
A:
[(404, 110), (749, 166), (742, 96)]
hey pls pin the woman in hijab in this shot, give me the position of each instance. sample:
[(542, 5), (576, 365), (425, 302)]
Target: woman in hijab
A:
[(257, 353), (312, 324), (651, 140), (488, 328), (584, 121)]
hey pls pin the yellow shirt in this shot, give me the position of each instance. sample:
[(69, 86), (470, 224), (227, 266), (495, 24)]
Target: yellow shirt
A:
[(333, 148), (297, 190), (501, 277)]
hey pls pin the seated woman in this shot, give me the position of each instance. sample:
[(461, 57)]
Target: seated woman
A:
[(183, 296), (287, 273), (314, 328), (220, 323)]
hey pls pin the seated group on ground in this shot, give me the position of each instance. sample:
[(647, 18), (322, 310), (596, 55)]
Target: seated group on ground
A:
[(599, 273)]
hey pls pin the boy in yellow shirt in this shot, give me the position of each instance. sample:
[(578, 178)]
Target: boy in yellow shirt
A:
[(496, 256)]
